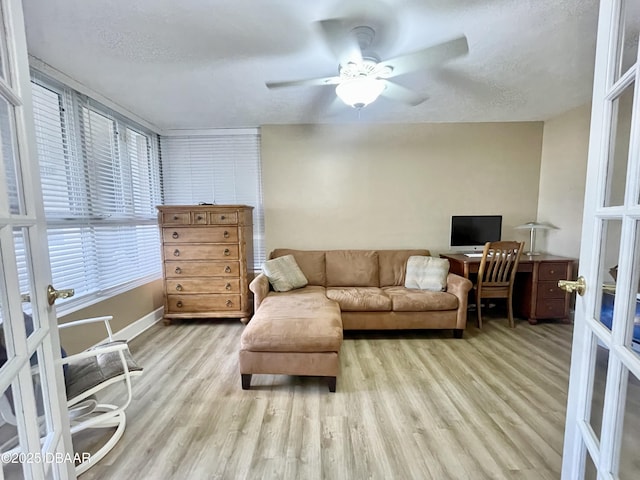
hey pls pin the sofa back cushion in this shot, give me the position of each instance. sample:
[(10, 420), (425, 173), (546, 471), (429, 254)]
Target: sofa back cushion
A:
[(311, 262), (352, 268), (393, 265)]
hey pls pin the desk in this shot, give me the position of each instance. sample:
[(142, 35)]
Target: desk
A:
[(536, 295)]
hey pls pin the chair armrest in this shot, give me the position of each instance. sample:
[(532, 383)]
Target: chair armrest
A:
[(460, 286), (260, 288), (94, 352), (106, 319)]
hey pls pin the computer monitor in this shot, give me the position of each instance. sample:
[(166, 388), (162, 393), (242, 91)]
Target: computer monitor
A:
[(471, 232)]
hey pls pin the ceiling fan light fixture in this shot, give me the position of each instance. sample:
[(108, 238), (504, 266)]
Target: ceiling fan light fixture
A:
[(360, 91)]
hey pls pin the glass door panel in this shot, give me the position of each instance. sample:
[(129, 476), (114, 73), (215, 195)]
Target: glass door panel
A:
[(630, 448), (9, 149), (619, 147), (628, 38), (599, 383), (608, 271)]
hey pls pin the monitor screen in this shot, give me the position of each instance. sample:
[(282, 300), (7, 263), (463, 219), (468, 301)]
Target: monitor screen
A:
[(473, 231)]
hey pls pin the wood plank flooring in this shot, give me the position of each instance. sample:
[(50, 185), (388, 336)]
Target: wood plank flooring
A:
[(408, 405)]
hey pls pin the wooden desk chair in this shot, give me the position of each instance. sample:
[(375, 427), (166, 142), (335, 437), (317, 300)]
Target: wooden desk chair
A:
[(496, 274)]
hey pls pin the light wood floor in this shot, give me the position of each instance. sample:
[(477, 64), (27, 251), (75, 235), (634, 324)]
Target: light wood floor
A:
[(408, 405)]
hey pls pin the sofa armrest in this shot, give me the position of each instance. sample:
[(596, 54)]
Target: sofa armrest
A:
[(460, 286), (260, 288)]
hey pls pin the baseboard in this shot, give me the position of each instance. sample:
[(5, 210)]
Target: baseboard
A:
[(136, 328)]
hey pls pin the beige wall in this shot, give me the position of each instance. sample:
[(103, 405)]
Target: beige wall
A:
[(126, 308), (562, 181), (395, 186)]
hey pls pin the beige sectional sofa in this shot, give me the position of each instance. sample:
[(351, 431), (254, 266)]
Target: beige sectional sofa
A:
[(299, 332)]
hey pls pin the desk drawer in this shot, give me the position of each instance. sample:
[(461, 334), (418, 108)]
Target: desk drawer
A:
[(548, 290), (551, 308), (552, 271)]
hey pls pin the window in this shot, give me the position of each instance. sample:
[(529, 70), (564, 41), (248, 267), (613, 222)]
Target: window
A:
[(217, 166), (100, 182)]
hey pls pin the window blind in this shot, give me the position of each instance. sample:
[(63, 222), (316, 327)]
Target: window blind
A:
[(100, 182), (216, 167)]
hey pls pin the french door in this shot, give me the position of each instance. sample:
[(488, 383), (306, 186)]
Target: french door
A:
[(602, 437), (34, 430)]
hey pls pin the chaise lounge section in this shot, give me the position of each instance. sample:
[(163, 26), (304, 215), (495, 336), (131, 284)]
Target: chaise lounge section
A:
[(299, 332)]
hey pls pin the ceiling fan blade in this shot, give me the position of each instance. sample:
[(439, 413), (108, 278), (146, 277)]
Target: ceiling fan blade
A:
[(428, 57), (307, 82), (403, 94), (342, 42)]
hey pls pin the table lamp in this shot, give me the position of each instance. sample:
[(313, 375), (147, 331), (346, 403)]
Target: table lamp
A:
[(533, 226)]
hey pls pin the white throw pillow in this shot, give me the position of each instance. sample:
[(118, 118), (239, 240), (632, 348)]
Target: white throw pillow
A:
[(427, 273), (284, 274)]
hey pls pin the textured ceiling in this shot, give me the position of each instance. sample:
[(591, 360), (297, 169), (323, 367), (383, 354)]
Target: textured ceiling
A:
[(197, 64)]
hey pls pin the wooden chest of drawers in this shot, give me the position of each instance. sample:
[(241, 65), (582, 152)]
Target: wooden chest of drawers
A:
[(207, 252)]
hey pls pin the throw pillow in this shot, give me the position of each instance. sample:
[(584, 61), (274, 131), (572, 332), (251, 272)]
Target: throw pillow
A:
[(284, 274), (427, 273)]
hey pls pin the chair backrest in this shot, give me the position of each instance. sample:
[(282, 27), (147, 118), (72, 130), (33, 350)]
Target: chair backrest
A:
[(499, 263)]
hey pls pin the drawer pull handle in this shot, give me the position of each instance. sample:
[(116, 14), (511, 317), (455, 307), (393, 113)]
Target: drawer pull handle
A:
[(222, 217), (227, 269), (179, 304), (552, 272), (199, 217), (176, 253), (175, 217), (227, 252), (178, 270), (228, 286), (229, 303), (179, 287), (226, 234), (175, 235)]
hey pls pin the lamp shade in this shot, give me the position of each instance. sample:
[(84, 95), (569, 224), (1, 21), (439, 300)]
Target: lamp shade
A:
[(360, 91), (533, 226), (536, 226)]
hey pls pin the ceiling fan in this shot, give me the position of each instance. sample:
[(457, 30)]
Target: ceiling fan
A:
[(362, 76)]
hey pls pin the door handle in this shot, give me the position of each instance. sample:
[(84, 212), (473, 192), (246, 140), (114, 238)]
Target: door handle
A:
[(53, 294), (571, 286)]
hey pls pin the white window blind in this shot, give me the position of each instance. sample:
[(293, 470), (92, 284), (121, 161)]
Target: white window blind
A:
[(100, 182), (216, 167)]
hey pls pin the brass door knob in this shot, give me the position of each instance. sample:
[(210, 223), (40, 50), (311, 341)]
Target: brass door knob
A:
[(571, 286), (53, 294)]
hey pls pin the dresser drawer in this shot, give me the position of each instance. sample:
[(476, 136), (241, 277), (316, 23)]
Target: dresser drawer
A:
[(203, 285), (550, 290), (200, 235), (202, 303), (551, 308), (223, 218), (176, 218), (181, 269), (552, 271), (201, 252)]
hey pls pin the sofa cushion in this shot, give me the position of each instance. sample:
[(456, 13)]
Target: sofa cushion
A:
[(360, 299), (311, 263), (352, 268), (393, 265), (284, 274), (427, 273), (415, 300), (303, 320)]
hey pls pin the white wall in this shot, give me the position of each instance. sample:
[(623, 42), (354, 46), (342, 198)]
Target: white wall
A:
[(562, 181), (395, 186)]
